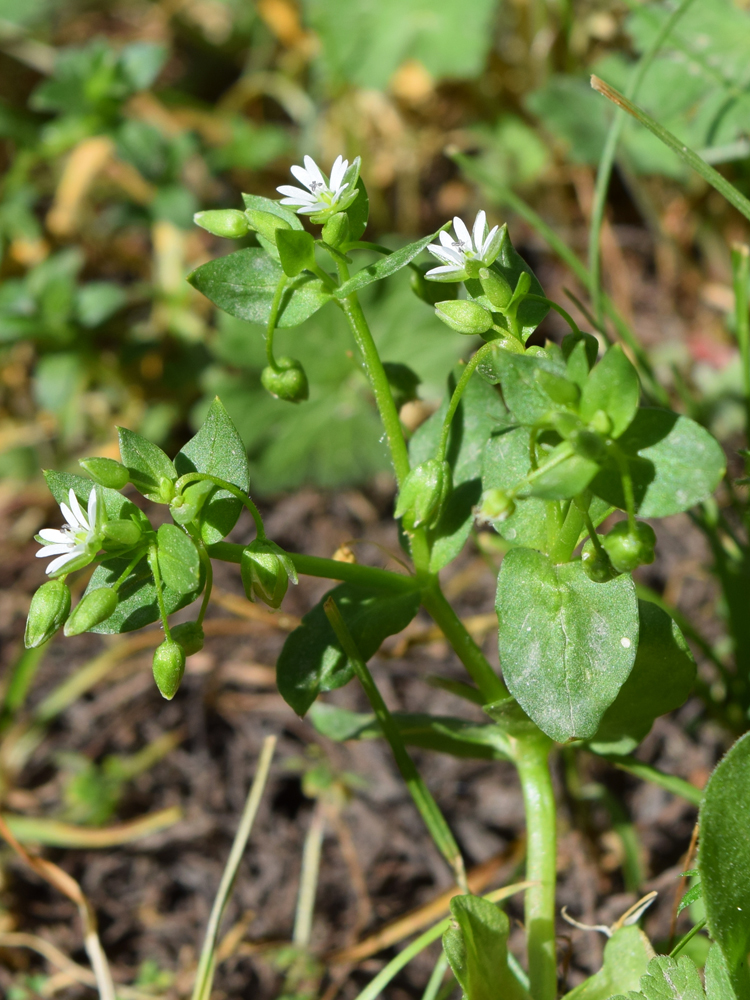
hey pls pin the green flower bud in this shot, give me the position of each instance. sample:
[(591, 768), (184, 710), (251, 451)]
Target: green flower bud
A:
[(597, 565), (588, 444), (50, 607), (93, 609), (186, 506), (496, 288), (266, 223), (190, 636), (227, 222), (464, 316), (336, 230), (496, 505), (403, 382), (106, 472), (266, 571), (601, 423), (423, 494), (168, 666), (125, 533), (288, 383), (629, 549), (432, 292)]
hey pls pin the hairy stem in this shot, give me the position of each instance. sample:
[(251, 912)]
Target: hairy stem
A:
[(275, 306)]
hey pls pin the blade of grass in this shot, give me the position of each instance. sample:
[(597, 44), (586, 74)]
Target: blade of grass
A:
[(206, 966), (706, 171), (425, 803), (436, 979), (308, 879), (608, 158), (669, 782), (740, 277)]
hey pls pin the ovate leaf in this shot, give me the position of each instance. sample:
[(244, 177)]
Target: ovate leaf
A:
[(724, 861), (673, 461), (137, 605), (179, 563), (660, 681), (567, 645), (477, 949), (147, 464), (217, 450), (385, 266), (312, 659), (718, 984), (523, 392), (626, 955), (612, 387), (115, 504)]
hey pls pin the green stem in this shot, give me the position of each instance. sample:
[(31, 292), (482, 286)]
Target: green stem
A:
[(627, 484), (532, 761), (741, 276), (558, 309), (472, 657), (129, 569), (192, 477), (456, 398), (423, 799), (328, 569), (593, 535), (275, 306), (567, 539), (690, 934), (208, 566), (153, 561)]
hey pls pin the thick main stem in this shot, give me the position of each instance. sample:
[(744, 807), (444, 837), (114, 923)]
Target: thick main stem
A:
[(532, 760)]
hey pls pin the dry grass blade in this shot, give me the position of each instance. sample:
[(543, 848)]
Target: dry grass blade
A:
[(53, 833)]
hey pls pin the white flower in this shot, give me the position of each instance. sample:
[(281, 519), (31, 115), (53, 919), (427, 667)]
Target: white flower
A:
[(322, 195), (79, 538), (464, 255)]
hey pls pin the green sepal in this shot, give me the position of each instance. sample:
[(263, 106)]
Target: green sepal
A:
[(296, 251), (423, 493), (336, 230), (106, 471), (464, 316), (50, 607), (168, 666), (266, 570), (267, 224), (596, 564), (94, 608), (124, 533), (496, 288), (358, 212)]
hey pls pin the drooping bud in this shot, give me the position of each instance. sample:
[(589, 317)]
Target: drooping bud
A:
[(93, 609), (423, 493), (266, 571), (628, 549), (496, 288), (464, 316), (190, 636), (336, 230), (168, 666), (496, 505), (596, 564), (123, 532), (227, 222), (50, 607), (186, 506), (266, 223), (289, 382), (106, 472)]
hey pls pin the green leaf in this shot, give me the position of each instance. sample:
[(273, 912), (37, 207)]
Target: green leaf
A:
[(258, 203), (565, 480), (137, 605), (479, 413), (612, 387), (179, 562), (358, 213), (217, 450), (244, 283), (567, 645), (670, 978), (660, 681), (296, 251), (440, 733), (524, 394), (147, 464), (718, 984), (694, 893), (477, 949), (724, 861), (626, 956), (116, 505), (674, 463), (312, 659), (383, 267)]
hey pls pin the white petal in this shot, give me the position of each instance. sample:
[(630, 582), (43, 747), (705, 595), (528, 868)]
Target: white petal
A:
[(338, 170), (53, 536), (480, 228), (76, 507), (445, 269), (462, 232), (491, 247), (92, 510), (295, 192), (302, 175), (314, 171), (70, 518), (48, 551), (449, 254), (61, 561)]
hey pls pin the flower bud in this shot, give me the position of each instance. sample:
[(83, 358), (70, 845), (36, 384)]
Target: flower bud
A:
[(287, 381), (186, 506), (190, 636), (227, 222), (266, 223), (336, 230), (597, 565), (50, 607), (93, 609), (601, 423), (425, 489), (588, 444), (266, 571), (496, 288), (628, 549), (464, 316), (106, 472), (496, 505), (125, 533), (168, 666), (166, 489)]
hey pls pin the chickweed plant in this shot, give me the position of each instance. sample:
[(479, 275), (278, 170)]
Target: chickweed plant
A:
[(542, 444)]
